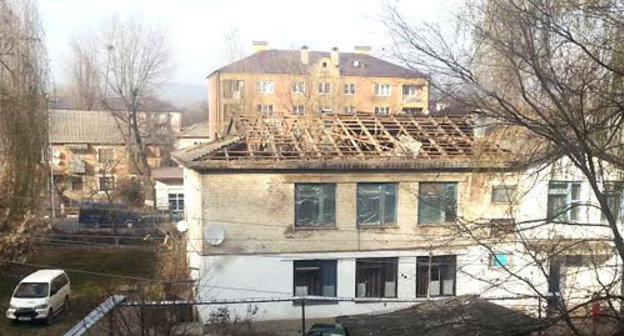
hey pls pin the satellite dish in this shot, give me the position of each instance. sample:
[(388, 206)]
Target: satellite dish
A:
[(214, 235), (182, 226), (56, 154), (356, 63)]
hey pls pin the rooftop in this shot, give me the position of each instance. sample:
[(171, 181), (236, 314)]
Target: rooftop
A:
[(90, 127), (289, 62), (362, 141), (167, 173), (199, 130), (115, 104)]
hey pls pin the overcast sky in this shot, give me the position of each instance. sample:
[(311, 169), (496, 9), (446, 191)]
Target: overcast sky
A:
[(198, 27)]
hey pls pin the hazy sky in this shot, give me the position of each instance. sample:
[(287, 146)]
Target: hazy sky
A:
[(198, 27)]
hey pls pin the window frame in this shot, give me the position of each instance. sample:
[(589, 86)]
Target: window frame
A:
[(325, 88), (614, 189), (350, 110), (572, 205), (382, 221), (349, 89), (326, 110), (383, 90), (446, 210), (327, 268), (298, 88), (266, 86), (178, 200), (105, 177), (435, 261), (329, 224), (409, 96), (298, 109), (495, 262), (385, 109), (360, 265), (262, 107), (106, 156), (510, 196)]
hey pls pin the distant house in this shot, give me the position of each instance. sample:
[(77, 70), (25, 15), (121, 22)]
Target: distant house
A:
[(169, 189), (90, 153), (193, 135)]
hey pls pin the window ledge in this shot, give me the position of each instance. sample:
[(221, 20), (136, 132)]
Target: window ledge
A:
[(377, 227), (313, 228), (433, 225)]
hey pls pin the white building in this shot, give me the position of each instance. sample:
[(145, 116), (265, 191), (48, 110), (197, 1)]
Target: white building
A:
[(399, 208)]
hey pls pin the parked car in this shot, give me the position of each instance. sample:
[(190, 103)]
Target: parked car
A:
[(326, 329), (96, 215), (40, 296), (160, 217)]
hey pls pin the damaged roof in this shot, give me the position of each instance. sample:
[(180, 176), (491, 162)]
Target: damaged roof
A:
[(362, 141), (289, 62)]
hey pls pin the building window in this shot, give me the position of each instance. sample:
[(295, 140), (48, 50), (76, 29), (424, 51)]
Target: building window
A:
[(176, 202), (324, 88), (563, 200), (266, 86), (349, 109), (437, 202), (315, 277), (265, 109), (613, 192), (435, 276), (233, 89), (349, 89), (376, 204), (315, 204), (106, 156), (382, 89), (501, 226), (107, 183), (376, 277), (382, 110), (499, 259), (503, 193), (412, 110), (76, 183), (410, 92), (298, 109), (326, 110), (298, 88)]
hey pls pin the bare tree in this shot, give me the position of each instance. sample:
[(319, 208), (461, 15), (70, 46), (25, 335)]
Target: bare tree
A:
[(124, 63), (548, 74), (23, 124)]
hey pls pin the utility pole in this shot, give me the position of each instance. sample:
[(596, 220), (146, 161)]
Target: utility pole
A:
[(303, 322), (51, 163)]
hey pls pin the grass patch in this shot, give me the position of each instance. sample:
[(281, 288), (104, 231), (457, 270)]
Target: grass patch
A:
[(88, 291)]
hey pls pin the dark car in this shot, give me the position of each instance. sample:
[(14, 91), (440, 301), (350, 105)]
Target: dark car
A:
[(97, 214), (326, 329), (158, 219)]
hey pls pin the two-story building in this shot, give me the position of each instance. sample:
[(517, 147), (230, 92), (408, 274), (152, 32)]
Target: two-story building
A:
[(304, 82)]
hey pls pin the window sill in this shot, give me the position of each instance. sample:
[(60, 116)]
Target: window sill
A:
[(439, 224), (375, 299), (373, 227), (308, 228)]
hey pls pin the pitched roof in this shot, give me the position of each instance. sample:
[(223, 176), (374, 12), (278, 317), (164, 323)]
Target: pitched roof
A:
[(289, 62), (168, 173), (90, 127), (152, 105), (199, 130), (361, 141)]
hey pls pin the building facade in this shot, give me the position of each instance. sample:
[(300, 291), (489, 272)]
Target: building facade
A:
[(91, 156), (399, 208), (303, 82)]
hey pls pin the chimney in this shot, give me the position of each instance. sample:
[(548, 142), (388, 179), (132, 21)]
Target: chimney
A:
[(335, 58), (364, 50), (305, 56), (260, 46)]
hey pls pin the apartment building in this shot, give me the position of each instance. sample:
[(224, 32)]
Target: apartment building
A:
[(304, 82), (369, 207)]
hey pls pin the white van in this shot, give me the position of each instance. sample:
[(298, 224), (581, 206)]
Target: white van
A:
[(40, 296)]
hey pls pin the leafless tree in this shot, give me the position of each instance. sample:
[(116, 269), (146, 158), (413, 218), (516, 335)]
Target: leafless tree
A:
[(23, 124), (124, 63), (548, 74)]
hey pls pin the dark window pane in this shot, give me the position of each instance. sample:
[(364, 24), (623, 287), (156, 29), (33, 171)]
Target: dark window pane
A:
[(315, 204), (315, 277), (376, 203), (435, 276), (503, 193), (376, 277), (437, 202)]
